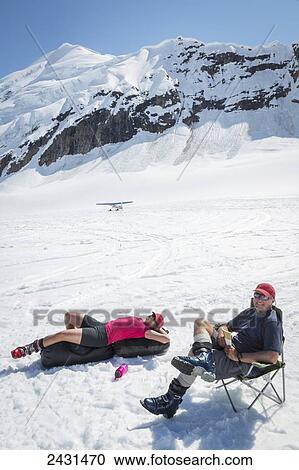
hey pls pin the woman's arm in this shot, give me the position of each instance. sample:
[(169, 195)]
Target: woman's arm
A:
[(156, 336)]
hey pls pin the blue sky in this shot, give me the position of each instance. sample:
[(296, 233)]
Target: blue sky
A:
[(121, 26)]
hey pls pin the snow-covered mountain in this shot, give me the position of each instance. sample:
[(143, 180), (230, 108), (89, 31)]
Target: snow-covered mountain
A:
[(217, 96)]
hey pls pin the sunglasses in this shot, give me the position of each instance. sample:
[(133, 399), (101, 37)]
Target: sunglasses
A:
[(259, 296)]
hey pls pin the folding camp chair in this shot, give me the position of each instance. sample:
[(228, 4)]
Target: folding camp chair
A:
[(267, 371)]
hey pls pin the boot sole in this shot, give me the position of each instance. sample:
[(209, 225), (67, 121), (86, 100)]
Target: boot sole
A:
[(188, 369)]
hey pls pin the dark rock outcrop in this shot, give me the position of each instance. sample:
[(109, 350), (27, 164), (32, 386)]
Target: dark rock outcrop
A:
[(62, 116), (4, 161), (267, 66), (259, 100), (296, 50), (103, 127), (33, 148)]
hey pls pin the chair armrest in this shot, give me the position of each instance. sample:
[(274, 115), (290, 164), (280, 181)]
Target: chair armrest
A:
[(261, 365)]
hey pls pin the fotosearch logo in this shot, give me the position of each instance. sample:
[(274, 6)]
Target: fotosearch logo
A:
[(172, 319)]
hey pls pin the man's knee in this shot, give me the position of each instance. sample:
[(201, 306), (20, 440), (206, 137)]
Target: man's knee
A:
[(201, 322)]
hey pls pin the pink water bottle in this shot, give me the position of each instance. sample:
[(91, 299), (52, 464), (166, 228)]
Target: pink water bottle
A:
[(120, 371)]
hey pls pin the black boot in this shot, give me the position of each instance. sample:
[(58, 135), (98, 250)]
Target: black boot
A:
[(168, 404), (201, 364)]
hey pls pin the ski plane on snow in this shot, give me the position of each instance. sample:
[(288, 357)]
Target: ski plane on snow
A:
[(114, 206)]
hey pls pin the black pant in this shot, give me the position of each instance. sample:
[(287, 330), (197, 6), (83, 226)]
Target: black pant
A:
[(93, 333)]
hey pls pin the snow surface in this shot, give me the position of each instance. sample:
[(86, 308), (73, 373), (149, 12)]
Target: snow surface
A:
[(202, 242)]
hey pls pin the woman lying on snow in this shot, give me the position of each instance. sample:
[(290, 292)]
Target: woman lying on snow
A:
[(86, 331)]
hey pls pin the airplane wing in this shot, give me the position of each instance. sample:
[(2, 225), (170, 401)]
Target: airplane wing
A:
[(112, 203)]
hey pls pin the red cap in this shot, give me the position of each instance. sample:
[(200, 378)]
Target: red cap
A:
[(159, 319), (266, 289)]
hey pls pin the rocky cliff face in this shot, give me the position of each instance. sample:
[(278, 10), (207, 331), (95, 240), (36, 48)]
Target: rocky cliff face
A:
[(80, 100)]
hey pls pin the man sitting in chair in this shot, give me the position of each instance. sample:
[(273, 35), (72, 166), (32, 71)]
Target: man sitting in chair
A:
[(257, 338)]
